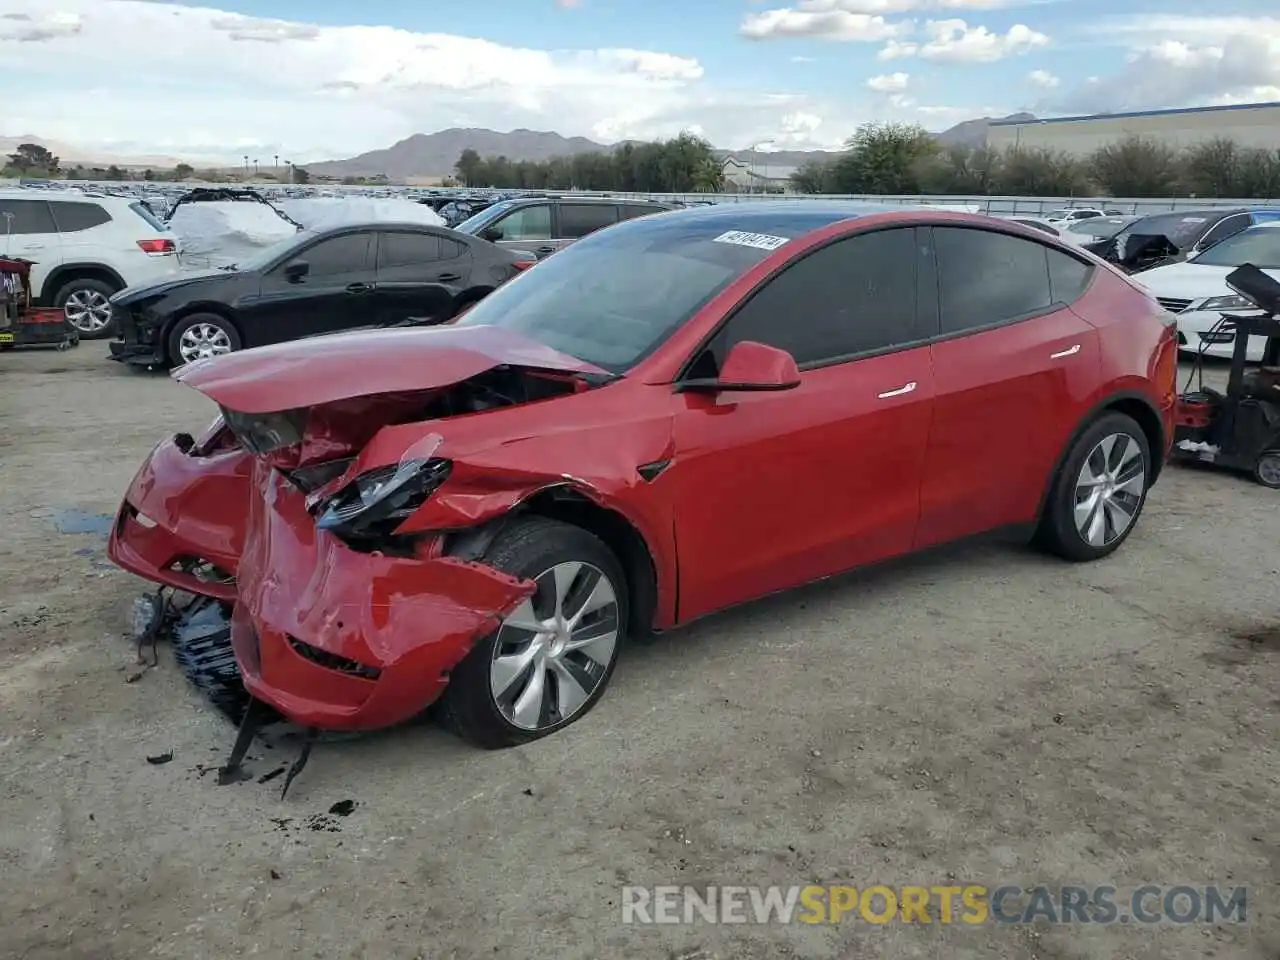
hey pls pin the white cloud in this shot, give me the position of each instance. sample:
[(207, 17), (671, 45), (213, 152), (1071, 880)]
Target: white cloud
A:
[(1178, 61), (804, 59), (1043, 79), (854, 20), (954, 41), (889, 82), (130, 77)]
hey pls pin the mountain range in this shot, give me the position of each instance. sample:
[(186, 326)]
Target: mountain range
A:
[(426, 155), (431, 155)]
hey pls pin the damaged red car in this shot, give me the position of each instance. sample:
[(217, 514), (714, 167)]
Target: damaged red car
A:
[(672, 416)]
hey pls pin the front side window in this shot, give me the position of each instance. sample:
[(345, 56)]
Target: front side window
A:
[(338, 257), (527, 223), (853, 296), (987, 278), (19, 217)]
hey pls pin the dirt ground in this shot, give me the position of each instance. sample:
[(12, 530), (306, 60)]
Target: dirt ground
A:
[(980, 715)]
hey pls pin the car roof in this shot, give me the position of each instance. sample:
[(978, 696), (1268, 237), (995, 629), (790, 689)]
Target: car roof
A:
[(762, 216)]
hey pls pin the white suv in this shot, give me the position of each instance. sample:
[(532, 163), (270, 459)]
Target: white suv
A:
[(85, 247)]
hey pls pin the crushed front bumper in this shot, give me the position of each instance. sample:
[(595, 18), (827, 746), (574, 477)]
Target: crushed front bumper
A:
[(180, 513), (341, 640), (140, 354)]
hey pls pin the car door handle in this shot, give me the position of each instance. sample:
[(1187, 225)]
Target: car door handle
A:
[(904, 389), (359, 287), (541, 251), (33, 246), (448, 277), (1071, 351)]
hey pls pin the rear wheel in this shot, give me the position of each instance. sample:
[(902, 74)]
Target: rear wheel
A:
[(1100, 491), (85, 302), (552, 657), (202, 335), (1267, 470)]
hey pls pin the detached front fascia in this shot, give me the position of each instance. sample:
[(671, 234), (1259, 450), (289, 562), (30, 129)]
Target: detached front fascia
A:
[(338, 639)]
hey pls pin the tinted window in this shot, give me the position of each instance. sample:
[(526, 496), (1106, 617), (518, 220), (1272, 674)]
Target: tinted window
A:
[(615, 296), (1231, 225), (72, 217), (25, 216), (451, 249), (850, 297), (629, 211), (338, 256), (1257, 245), (1068, 276), (527, 223), (407, 250), (579, 219), (986, 277)]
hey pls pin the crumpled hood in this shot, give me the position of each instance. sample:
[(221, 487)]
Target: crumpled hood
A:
[(343, 366), (185, 279)]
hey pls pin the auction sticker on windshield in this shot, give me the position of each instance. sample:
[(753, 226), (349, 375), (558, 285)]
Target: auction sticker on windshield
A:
[(761, 241)]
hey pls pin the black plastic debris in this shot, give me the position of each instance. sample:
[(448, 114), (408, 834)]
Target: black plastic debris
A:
[(268, 777), (201, 641), (160, 758), (343, 808)]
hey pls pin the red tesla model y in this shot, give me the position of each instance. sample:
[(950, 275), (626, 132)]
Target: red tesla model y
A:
[(674, 415)]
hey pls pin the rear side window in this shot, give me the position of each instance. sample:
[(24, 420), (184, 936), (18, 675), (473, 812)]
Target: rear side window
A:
[(629, 211), (579, 219), (986, 278), (451, 249), (851, 297), (338, 256), (407, 250), (25, 216), (1068, 277), (72, 217)]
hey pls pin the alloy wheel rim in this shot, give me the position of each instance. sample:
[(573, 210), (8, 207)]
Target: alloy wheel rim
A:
[(552, 651), (1109, 489), (203, 340), (1269, 469), (87, 310)]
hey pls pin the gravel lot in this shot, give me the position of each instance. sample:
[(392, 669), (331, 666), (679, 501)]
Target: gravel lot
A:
[(983, 714)]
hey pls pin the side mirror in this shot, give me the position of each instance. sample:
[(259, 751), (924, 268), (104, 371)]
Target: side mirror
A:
[(296, 270), (751, 367), (492, 234)]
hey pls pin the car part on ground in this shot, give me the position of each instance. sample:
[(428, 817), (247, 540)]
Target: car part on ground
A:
[(569, 455), (315, 282), (21, 323), (1240, 430)]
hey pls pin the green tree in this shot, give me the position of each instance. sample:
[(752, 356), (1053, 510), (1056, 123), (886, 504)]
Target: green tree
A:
[(183, 171), (960, 170), (1041, 173), (300, 175), (33, 160), (1136, 167), (883, 158), (468, 167)]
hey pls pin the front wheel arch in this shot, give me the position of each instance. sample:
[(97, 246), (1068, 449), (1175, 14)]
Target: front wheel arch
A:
[(167, 332)]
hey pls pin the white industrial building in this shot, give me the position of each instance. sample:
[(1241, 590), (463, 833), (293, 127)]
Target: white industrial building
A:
[(756, 175), (1248, 124)]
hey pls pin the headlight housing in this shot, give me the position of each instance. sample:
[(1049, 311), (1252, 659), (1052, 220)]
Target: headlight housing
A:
[(372, 505), (1229, 302)]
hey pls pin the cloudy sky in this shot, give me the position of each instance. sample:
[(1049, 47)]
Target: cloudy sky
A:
[(329, 78)]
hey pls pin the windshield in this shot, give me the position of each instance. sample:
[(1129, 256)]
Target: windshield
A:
[(613, 297), (1098, 227), (1182, 229), (264, 257), (476, 222), (1257, 245)]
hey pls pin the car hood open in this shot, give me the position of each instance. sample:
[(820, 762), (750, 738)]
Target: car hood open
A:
[(342, 366)]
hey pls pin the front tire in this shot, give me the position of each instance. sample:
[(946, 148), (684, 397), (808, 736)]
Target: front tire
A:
[(1099, 492), (551, 659), (1267, 469), (85, 303), (202, 335)]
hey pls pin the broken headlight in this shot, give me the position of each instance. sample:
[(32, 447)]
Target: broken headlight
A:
[(375, 503)]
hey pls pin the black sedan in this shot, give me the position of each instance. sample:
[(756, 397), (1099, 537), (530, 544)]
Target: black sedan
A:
[(361, 275)]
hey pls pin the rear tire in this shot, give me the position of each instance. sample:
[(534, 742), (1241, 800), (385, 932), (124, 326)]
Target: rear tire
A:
[(1099, 492), (84, 302), (1267, 469), (201, 335), (517, 684)]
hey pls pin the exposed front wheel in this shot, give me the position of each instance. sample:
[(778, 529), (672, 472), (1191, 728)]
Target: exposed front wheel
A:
[(86, 305), (202, 335), (552, 657), (1267, 470), (1100, 491)]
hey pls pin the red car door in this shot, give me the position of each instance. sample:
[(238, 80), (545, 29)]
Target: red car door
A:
[(777, 489), (1014, 370)]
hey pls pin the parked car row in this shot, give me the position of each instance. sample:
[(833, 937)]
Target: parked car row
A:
[(677, 414)]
